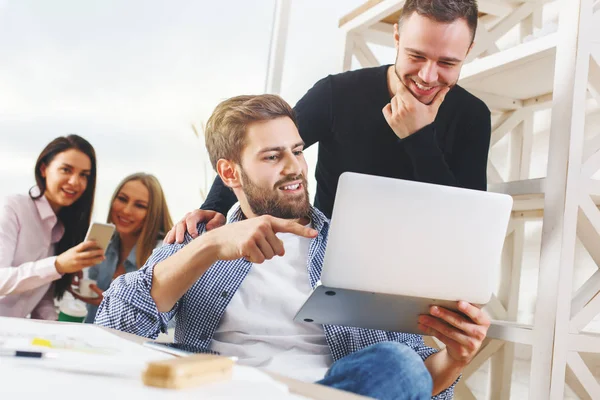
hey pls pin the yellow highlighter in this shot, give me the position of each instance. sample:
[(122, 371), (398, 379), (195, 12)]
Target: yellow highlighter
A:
[(41, 342)]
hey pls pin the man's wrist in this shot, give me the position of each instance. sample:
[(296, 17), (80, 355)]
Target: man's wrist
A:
[(207, 248), (452, 364)]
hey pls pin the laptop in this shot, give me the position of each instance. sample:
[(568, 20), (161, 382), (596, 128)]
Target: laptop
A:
[(397, 247)]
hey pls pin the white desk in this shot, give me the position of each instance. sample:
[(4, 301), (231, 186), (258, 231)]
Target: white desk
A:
[(29, 378)]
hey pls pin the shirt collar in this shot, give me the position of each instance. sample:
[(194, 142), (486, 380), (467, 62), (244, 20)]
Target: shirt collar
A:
[(131, 258), (47, 215), (115, 244), (44, 209)]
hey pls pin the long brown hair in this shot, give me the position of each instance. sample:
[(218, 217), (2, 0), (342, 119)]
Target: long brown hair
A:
[(158, 219), (76, 217)]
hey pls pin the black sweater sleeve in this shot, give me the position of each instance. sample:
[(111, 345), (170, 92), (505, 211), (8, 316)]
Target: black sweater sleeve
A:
[(467, 166), (220, 198), (314, 113)]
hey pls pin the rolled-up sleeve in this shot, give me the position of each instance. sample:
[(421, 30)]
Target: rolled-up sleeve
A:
[(128, 305), (20, 278)]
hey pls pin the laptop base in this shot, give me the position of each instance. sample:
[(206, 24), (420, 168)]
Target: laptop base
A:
[(387, 312)]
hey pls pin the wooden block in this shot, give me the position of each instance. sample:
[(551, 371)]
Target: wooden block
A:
[(187, 372)]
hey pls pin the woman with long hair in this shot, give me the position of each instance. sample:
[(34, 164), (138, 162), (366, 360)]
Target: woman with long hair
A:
[(139, 211), (41, 233)]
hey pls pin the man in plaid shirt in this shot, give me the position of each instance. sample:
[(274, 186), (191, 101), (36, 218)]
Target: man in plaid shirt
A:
[(236, 289)]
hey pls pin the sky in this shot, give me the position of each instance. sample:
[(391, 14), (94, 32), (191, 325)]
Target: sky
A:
[(133, 76)]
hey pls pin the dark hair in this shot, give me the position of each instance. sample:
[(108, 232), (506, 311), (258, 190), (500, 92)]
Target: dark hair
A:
[(444, 11), (76, 217)]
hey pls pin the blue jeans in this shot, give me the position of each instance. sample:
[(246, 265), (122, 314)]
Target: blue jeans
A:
[(386, 370)]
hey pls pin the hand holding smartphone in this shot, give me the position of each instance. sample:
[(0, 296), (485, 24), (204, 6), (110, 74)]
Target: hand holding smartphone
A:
[(88, 253), (101, 234)]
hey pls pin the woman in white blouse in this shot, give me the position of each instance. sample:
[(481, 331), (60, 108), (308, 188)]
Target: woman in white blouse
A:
[(41, 233)]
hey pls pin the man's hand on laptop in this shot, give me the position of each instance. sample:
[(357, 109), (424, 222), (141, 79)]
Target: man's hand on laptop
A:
[(253, 239), (462, 337), (190, 222)]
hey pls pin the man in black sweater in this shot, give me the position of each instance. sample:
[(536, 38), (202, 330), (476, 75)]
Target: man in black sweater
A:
[(409, 120)]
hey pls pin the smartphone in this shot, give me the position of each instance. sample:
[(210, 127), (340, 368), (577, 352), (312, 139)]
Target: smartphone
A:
[(101, 233), (178, 349)]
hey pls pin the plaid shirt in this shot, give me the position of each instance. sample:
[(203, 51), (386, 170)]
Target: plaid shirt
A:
[(128, 306)]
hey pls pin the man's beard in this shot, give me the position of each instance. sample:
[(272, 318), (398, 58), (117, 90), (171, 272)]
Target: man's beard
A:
[(264, 201), (441, 86)]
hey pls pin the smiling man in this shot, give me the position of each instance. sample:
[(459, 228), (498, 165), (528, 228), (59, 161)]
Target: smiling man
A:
[(236, 289), (409, 120)]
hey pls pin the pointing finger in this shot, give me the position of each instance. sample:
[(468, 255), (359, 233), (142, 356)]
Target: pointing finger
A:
[(280, 225)]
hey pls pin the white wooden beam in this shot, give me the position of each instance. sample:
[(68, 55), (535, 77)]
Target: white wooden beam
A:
[(538, 103), (576, 386), (503, 27), (493, 175), (363, 53), (560, 212), (348, 52), (483, 43), (584, 342), (568, 117), (583, 374), (487, 67), (526, 147), (538, 18), (502, 129), (512, 305), (593, 188), (585, 315), (591, 166), (590, 210), (499, 119), (531, 215), (592, 146), (372, 15), (519, 188), (489, 21), (512, 224), (511, 332), (529, 24), (594, 79), (462, 392), (510, 273), (281, 16), (381, 34), (501, 367), (515, 152), (495, 308), (496, 102), (499, 9), (585, 293)]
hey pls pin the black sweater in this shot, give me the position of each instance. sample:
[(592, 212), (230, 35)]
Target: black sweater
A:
[(344, 114)]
